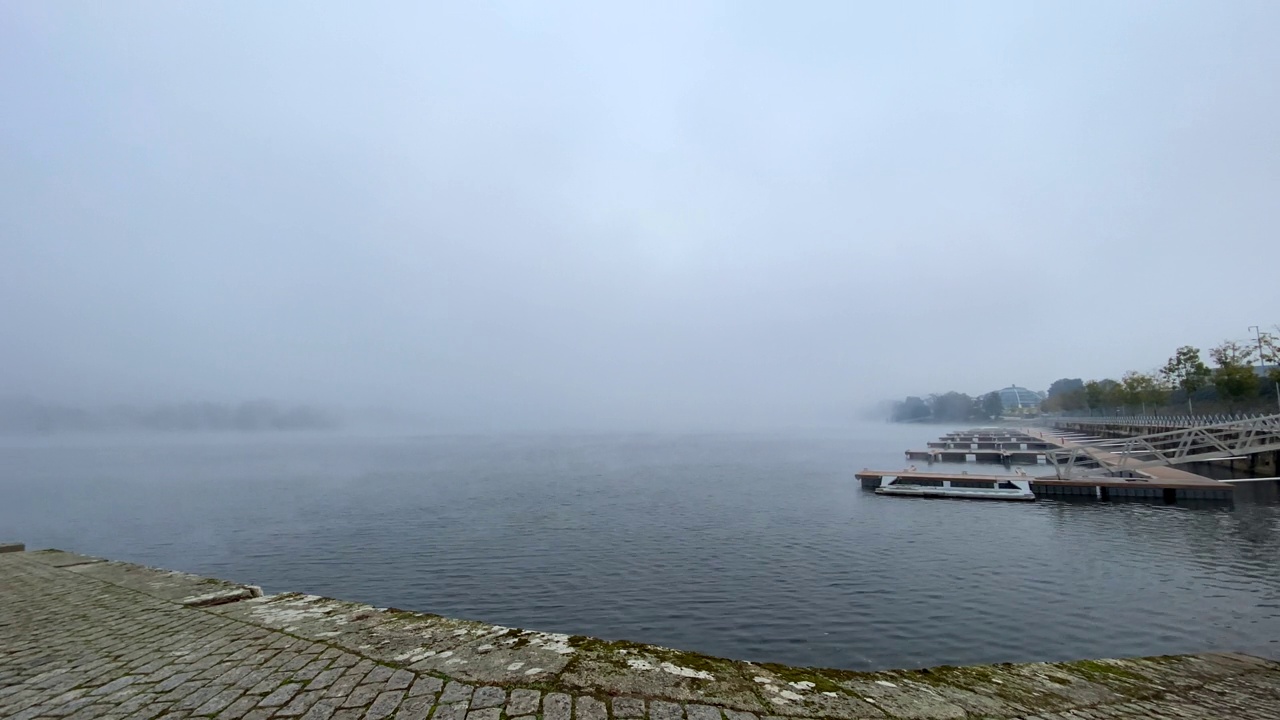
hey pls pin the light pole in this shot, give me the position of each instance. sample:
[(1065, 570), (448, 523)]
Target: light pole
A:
[(1262, 365)]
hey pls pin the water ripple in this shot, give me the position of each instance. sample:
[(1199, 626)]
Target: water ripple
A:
[(745, 546)]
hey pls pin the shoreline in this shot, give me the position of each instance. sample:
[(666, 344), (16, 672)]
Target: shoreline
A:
[(672, 683)]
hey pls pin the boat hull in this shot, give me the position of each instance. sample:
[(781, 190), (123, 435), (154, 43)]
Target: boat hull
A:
[(950, 493)]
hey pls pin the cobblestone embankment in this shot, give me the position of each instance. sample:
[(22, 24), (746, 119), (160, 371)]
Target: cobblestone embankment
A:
[(84, 638)]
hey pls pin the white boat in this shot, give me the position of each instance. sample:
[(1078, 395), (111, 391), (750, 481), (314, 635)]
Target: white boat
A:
[(1011, 489)]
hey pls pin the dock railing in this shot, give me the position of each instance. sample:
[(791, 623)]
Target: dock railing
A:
[(1161, 421), (1194, 443)]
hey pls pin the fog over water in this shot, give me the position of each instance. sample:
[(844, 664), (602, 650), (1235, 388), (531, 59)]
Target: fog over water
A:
[(625, 216), (580, 316)]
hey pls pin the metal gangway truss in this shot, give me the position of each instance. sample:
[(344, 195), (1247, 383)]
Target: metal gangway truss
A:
[(1119, 456)]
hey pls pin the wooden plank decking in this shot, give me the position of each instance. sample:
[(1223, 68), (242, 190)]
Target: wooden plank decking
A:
[(1165, 482)]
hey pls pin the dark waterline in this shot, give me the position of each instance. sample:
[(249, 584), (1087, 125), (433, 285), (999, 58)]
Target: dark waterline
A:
[(754, 547)]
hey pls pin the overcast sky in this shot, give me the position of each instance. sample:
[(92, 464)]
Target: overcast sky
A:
[(640, 215)]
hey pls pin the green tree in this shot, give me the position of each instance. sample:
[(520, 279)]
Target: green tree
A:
[(1073, 400), (1065, 394), (1064, 386), (1142, 389), (1269, 356), (913, 409), (1234, 377), (992, 405), (952, 407), (1269, 353), (1186, 371), (1102, 394), (1093, 392), (1112, 394)]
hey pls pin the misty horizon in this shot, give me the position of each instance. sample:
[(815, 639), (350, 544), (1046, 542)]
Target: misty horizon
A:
[(633, 217)]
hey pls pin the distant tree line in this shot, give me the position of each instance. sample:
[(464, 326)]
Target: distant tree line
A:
[(1242, 376), (31, 416), (948, 407)]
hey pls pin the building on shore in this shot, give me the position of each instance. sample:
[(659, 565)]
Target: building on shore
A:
[(1019, 399)]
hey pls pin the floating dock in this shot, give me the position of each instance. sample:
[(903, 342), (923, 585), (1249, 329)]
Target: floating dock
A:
[(959, 455), (1002, 444), (1027, 447), (1102, 488)]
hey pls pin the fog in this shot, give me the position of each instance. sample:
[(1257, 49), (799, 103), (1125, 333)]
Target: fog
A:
[(539, 216)]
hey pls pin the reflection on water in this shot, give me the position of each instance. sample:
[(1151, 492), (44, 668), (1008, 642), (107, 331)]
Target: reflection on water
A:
[(745, 546)]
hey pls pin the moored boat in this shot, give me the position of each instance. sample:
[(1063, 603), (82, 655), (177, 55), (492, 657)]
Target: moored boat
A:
[(1011, 489)]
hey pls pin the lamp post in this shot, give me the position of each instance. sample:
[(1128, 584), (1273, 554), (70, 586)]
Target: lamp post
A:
[(1262, 365)]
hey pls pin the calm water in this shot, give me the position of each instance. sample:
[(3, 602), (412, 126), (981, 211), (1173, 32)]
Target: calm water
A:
[(757, 547)]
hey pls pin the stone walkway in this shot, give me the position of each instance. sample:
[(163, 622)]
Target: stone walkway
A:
[(84, 638)]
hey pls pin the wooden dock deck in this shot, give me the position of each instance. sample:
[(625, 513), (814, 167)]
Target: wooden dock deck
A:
[(959, 455), (1168, 489), (1103, 457), (1008, 444), (1165, 483)]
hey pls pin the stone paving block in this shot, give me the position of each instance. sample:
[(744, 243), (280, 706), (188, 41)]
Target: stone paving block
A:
[(426, 685), (484, 714), (452, 711), (488, 697), (237, 709), (183, 691), (347, 683), (385, 704), (297, 662), (219, 701), (628, 707), (362, 696), (280, 695), (523, 702), (123, 695), (311, 671), (701, 712), (455, 692), (70, 707), (415, 707), (116, 684), (589, 708), (199, 697), (172, 682), (269, 684), (739, 715), (379, 674), (234, 675), (287, 661), (94, 712), (663, 710), (205, 664), (400, 680), (556, 706), (345, 660), (322, 710), (325, 678), (301, 703), (252, 678), (149, 712)]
